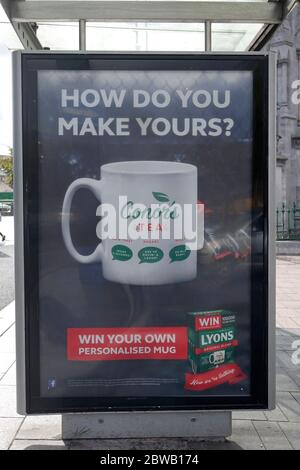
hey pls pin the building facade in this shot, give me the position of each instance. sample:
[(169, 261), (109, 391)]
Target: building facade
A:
[(286, 42)]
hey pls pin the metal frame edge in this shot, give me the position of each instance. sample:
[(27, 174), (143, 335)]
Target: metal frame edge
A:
[(19, 222), (271, 229), (19, 238)]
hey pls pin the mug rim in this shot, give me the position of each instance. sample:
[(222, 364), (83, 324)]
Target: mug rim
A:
[(148, 167)]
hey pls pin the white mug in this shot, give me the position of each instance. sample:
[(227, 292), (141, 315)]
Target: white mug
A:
[(140, 261)]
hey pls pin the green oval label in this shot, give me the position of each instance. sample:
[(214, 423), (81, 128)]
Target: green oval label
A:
[(179, 253), (161, 197), (150, 254), (121, 253)]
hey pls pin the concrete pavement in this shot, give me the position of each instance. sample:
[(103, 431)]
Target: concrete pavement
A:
[(7, 293)]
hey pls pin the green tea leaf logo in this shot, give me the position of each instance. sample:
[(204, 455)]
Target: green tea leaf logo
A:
[(161, 197)]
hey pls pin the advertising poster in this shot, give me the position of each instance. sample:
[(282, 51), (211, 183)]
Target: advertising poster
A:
[(145, 224)]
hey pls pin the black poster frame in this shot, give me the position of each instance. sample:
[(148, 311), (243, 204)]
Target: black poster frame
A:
[(259, 65)]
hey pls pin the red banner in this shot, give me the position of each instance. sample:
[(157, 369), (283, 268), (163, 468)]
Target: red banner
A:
[(117, 344), (230, 373)]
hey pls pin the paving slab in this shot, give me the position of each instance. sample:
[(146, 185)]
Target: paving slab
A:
[(249, 415), (289, 406), (284, 344), (41, 427), (8, 430), (292, 432), (284, 360), (287, 321), (289, 304), (245, 435), (7, 317), (5, 324), (295, 375), (275, 415), (272, 436), (7, 285), (6, 361), (296, 395), (291, 334), (295, 332), (284, 383), (8, 342), (8, 402), (10, 377), (20, 444)]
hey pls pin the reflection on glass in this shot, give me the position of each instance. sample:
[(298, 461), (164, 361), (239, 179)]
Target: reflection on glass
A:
[(59, 35), (8, 37), (233, 36), (145, 36)]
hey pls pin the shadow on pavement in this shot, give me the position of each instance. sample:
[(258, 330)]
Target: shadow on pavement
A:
[(132, 444)]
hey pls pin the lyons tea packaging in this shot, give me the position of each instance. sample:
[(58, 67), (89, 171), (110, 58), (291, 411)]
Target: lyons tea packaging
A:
[(212, 339)]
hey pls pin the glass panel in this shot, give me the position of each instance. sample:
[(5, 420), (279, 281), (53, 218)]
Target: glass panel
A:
[(59, 35), (233, 36), (8, 41), (5, 100), (8, 37), (145, 36)]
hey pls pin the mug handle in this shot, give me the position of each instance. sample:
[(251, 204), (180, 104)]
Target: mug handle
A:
[(95, 187)]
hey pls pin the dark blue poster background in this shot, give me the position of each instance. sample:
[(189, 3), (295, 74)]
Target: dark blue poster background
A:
[(73, 295)]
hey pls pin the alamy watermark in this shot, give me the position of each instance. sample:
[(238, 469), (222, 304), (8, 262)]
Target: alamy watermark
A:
[(163, 221), (296, 353), (296, 93)]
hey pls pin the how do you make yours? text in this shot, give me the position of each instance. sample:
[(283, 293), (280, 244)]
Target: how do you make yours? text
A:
[(120, 102)]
